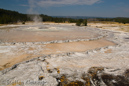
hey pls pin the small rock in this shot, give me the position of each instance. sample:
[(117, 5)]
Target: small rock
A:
[(41, 77)]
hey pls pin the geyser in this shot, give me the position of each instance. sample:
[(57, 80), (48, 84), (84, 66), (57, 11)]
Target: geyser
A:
[(35, 17)]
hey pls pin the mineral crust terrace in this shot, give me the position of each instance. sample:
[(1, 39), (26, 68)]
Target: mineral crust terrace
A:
[(102, 66)]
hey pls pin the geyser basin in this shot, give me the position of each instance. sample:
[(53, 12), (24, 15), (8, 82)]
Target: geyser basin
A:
[(28, 36), (40, 27), (44, 32)]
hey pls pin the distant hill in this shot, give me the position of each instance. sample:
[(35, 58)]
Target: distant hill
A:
[(80, 17), (7, 16)]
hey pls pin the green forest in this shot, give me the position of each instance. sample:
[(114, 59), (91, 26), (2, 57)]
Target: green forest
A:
[(118, 19), (9, 17)]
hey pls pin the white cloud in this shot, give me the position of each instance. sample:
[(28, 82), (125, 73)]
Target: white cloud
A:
[(33, 4), (44, 3), (24, 5)]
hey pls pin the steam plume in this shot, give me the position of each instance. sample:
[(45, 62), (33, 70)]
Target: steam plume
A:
[(32, 10)]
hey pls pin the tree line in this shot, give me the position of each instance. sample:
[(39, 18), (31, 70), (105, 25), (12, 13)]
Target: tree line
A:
[(118, 19), (8, 17)]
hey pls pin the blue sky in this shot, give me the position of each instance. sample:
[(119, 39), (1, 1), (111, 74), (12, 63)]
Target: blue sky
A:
[(97, 8)]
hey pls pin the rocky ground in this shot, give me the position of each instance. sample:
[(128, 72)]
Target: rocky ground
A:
[(105, 64)]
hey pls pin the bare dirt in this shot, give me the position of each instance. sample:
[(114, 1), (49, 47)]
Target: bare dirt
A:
[(114, 26)]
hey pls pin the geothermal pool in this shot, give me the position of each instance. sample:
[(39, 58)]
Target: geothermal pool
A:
[(19, 42), (43, 32)]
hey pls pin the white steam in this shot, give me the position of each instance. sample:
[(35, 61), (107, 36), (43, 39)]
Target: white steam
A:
[(46, 3), (32, 10)]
